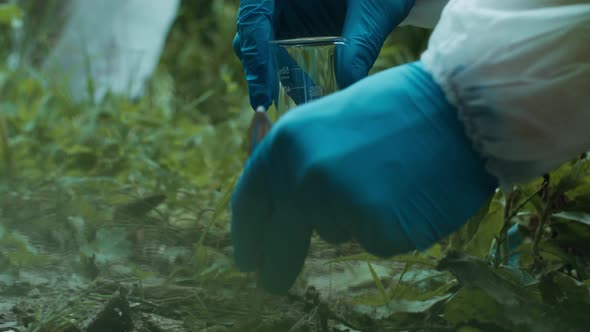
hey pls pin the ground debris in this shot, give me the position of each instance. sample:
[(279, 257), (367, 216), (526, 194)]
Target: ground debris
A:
[(157, 323), (115, 315), (34, 293), (24, 313), (9, 326)]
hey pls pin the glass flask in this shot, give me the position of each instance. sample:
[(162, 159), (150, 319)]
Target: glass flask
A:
[(305, 71)]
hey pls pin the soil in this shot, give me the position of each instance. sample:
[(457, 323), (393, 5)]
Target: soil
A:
[(68, 295)]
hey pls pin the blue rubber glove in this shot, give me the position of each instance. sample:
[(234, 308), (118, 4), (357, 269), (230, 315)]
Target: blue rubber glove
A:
[(364, 23), (384, 162)]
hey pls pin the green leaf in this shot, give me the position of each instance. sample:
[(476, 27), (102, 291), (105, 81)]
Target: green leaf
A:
[(401, 276), (569, 298), (580, 217), (479, 243), (111, 245), (142, 274), (377, 282), (7, 279), (435, 251), (560, 289), (221, 206), (9, 12), (569, 178), (504, 287), (474, 304), (460, 238), (138, 208), (84, 159), (468, 329), (476, 307), (569, 233), (553, 256), (579, 203)]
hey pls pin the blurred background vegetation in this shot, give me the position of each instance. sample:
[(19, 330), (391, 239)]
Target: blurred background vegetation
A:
[(198, 58), (186, 134)]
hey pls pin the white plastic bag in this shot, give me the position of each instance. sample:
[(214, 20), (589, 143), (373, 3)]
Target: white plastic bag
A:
[(519, 73), (116, 43)]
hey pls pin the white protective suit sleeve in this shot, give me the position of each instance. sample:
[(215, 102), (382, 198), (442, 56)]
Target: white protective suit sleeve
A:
[(116, 43), (425, 13), (519, 74)]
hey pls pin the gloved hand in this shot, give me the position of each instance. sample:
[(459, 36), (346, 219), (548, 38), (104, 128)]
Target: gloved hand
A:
[(364, 23), (384, 162)]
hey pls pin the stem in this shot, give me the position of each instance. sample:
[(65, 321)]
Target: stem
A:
[(515, 211), (399, 281), (504, 231), (5, 146), (539, 231), (502, 253), (545, 215)]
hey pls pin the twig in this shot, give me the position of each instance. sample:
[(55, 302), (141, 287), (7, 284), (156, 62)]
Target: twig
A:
[(326, 312), (509, 214), (546, 214), (304, 319), (504, 231), (526, 201), (343, 321), (539, 231), (5, 146), (399, 281)]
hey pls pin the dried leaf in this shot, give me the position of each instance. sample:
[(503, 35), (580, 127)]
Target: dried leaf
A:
[(401, 306)]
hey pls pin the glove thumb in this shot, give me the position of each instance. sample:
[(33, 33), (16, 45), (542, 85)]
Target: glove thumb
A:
[(367, 25)]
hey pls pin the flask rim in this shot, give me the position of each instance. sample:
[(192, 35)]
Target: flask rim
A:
[(310, 41)]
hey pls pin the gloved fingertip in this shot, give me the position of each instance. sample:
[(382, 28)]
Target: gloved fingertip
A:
[(324, 218), (282, 266), (245, 243), (260, 98), (350, 77), (251, 210), (384, 236), (275, 285), (353, 63), (286, 244), (237, 45), (244, 264), (332, 235)]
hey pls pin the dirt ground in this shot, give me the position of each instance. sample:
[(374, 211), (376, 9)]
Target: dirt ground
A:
[(69, 295)]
